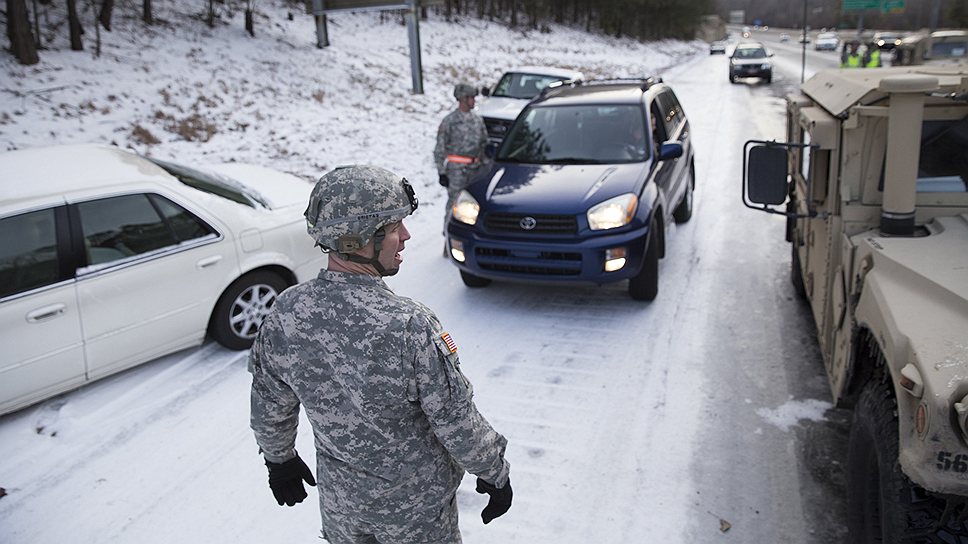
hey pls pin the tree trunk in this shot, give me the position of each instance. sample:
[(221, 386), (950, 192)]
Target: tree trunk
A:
[(18, 30), (75, 26), (210, 19), (149, 18), (249, 23), (514, 14), (36, 26), (105, 16)]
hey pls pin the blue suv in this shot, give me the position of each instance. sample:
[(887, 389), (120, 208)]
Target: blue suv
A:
[(581, 189)]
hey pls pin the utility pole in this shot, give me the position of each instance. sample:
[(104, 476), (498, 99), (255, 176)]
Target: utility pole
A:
[(803, 44)]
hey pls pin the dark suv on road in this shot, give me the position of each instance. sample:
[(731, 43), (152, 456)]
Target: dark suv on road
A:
[(750, 59), (581, 189)]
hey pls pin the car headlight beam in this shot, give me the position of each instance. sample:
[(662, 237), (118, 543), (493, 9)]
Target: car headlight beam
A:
[(466, 209), (613, 213)]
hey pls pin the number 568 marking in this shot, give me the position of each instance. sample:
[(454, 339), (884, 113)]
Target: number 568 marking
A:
[(950, 461)]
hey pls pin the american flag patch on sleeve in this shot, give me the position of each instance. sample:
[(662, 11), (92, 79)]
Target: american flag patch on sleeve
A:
[(449, 341)]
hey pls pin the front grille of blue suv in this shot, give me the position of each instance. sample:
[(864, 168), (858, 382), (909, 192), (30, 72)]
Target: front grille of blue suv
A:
[(581, 189)]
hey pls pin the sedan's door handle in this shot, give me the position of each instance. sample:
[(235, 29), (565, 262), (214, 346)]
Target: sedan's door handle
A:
[(208, 261), (45, 313)]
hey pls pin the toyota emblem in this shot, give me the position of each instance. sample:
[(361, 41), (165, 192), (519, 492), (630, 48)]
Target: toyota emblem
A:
[(528, 223)]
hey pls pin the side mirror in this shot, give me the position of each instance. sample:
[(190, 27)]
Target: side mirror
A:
[(486, 91), (766, 179), (670, 150)]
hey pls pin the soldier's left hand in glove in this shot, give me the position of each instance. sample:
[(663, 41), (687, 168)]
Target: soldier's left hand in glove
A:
[(286, 480), (500, 499)]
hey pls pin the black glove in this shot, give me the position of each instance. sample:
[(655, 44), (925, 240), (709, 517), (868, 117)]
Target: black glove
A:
[(500, 500), (286, 480), (443, 180)]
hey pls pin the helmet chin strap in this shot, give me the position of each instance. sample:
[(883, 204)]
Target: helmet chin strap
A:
[(375, 259)]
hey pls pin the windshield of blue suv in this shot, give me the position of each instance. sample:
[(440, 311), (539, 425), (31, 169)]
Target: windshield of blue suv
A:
[(583, 134), (523, 86)]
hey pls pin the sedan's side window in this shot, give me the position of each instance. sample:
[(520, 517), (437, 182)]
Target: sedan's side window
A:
[(28, 252), (185, 225), (121, 227)]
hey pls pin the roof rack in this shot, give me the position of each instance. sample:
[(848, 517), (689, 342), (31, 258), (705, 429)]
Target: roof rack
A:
[(643, 82)]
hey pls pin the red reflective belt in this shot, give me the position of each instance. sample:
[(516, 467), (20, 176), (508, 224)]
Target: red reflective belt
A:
[(460, 159)]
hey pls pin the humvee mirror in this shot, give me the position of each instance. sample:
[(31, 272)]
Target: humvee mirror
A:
[(767, 175)]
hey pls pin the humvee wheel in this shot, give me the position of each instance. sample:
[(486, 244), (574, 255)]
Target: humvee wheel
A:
[(883, 505)]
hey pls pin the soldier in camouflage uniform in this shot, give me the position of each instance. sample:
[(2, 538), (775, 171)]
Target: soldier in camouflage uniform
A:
[(461, 139), (394, 422)]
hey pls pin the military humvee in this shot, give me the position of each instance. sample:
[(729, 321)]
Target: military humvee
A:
[(873, 181), (940, 46)]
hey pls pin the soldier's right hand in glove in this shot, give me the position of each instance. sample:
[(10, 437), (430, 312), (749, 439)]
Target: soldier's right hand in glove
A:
[(500, 499), (443, 180), (286, 480)]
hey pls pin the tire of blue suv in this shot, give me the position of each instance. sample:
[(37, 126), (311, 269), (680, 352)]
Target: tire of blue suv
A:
[(645, 284), (471, 280), (240, 310), (683, 211)]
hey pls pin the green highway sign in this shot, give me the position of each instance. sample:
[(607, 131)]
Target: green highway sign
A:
[(892, 6), (854, 5), (886, 6)]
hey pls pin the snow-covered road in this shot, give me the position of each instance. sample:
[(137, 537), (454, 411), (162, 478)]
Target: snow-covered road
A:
[(699, 417)]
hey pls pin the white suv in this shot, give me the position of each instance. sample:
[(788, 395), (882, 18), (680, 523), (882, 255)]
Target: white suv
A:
[(504, 101), (109, 259)]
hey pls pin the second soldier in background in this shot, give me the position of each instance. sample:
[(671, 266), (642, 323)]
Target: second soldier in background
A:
[(459, 153)]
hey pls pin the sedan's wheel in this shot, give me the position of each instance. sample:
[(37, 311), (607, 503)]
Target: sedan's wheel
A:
[(732, 78), (243, 306), (471, 280), (683, 211), (645, 285), (883, 505)]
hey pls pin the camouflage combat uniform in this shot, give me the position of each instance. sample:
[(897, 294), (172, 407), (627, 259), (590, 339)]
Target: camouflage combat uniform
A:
[(461, 134), (394, 422)]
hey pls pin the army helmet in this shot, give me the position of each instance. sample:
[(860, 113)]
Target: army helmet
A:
[(464, 89), (350, 204)]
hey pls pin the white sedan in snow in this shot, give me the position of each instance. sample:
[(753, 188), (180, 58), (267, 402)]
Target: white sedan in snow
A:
[(109, 259)]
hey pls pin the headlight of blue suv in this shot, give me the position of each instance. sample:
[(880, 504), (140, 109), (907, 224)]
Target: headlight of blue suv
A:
[(466, 208), (613, 213), (766, 66)]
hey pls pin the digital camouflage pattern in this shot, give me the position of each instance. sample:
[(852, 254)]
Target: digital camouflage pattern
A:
[(464, 89), (459, 134), (394, 422), (350, 203)]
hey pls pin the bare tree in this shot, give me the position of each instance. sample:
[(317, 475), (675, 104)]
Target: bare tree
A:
[(74, 24), (149, 17), (18, 30), (107, 8)]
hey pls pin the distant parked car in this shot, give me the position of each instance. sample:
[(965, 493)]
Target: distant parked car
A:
[(750, 59), (581, 190), (804, 38), (718, 46), (504, 101), (886, 41), (784, 37), (827, 41), (109, 259)]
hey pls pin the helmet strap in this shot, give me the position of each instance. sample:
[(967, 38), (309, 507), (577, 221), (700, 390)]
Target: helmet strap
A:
[(375, 259)]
